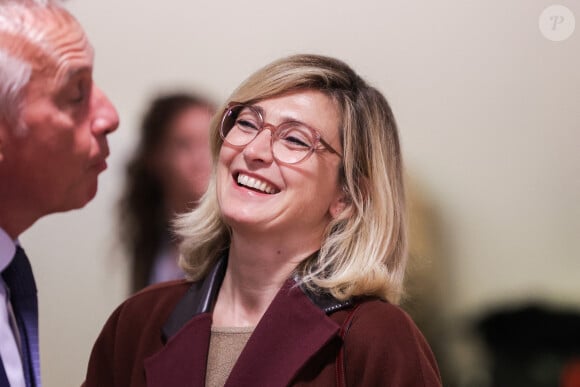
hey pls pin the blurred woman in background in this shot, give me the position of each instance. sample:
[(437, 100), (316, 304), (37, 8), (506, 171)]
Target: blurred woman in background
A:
[(166, 176)]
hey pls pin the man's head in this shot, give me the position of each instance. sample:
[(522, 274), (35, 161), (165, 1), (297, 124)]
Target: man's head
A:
[(53, 118)]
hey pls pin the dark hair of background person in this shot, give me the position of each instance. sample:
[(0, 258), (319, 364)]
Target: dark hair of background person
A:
[(142, 216)]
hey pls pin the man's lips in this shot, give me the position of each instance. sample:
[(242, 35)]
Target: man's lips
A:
[(99, 165)]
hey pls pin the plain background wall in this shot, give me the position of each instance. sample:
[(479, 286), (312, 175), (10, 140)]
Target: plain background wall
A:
[(487, 108)]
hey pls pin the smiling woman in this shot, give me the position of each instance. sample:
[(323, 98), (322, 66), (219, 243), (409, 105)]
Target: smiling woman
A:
[(295, 255)]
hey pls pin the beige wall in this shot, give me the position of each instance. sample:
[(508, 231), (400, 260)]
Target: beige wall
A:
[(486, 105)]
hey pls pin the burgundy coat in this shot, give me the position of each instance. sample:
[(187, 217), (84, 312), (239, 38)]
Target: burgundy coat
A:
[(160, 337)]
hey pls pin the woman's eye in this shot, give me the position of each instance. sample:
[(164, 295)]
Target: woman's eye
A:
[(296, 141), (295, 137), (181, 144), (246, 124), (78, 99)]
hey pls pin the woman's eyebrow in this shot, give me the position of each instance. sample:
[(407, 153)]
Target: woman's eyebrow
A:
[(284, 118), (259, 109)]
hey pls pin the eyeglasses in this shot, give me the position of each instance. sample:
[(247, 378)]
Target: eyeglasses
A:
[(291, 141)]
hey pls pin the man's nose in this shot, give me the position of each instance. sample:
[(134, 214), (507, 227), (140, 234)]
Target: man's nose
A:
[(105, 118)]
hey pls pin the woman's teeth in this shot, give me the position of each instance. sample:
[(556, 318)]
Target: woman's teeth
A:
[(256, 184)]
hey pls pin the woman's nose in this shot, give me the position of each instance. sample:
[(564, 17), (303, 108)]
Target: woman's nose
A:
[(260, 148)]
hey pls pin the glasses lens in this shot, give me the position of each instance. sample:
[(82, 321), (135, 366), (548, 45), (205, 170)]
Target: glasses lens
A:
[(293, 142), (240, 125)]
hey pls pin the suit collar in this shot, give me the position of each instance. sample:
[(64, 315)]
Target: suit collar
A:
[(7, 249)]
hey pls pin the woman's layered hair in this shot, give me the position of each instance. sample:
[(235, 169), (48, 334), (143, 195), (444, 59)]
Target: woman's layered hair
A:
[(364, 250)]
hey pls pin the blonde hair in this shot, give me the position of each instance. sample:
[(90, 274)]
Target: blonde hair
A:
[(364, 250)]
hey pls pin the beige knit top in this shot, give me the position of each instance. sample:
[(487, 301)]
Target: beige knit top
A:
[(225, 346)]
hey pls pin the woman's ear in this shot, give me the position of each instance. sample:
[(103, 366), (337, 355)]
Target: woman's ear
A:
[(337, 208), (339, 205)]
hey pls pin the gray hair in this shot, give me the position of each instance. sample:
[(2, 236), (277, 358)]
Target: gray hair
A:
[(15, 72)]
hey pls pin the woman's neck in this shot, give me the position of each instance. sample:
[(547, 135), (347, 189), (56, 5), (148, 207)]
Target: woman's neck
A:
[(255, 273)]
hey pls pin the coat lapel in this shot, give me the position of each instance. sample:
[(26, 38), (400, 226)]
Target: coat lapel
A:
[(183, 360), (291, 331)]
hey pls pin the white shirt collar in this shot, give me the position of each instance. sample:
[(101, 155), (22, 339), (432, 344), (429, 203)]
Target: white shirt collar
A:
[(7, 249)]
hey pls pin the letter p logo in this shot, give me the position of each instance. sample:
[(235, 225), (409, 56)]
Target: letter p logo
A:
[(557, 23)]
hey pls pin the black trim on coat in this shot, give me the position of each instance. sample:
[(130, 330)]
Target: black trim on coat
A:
[(202, 295)]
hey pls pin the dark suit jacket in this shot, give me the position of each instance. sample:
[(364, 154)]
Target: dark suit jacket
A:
[(160, 337)]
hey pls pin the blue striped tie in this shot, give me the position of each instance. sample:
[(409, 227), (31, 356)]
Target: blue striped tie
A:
[(19, 279)]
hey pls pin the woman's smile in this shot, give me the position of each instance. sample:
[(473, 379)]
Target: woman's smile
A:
[(255, 184)]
